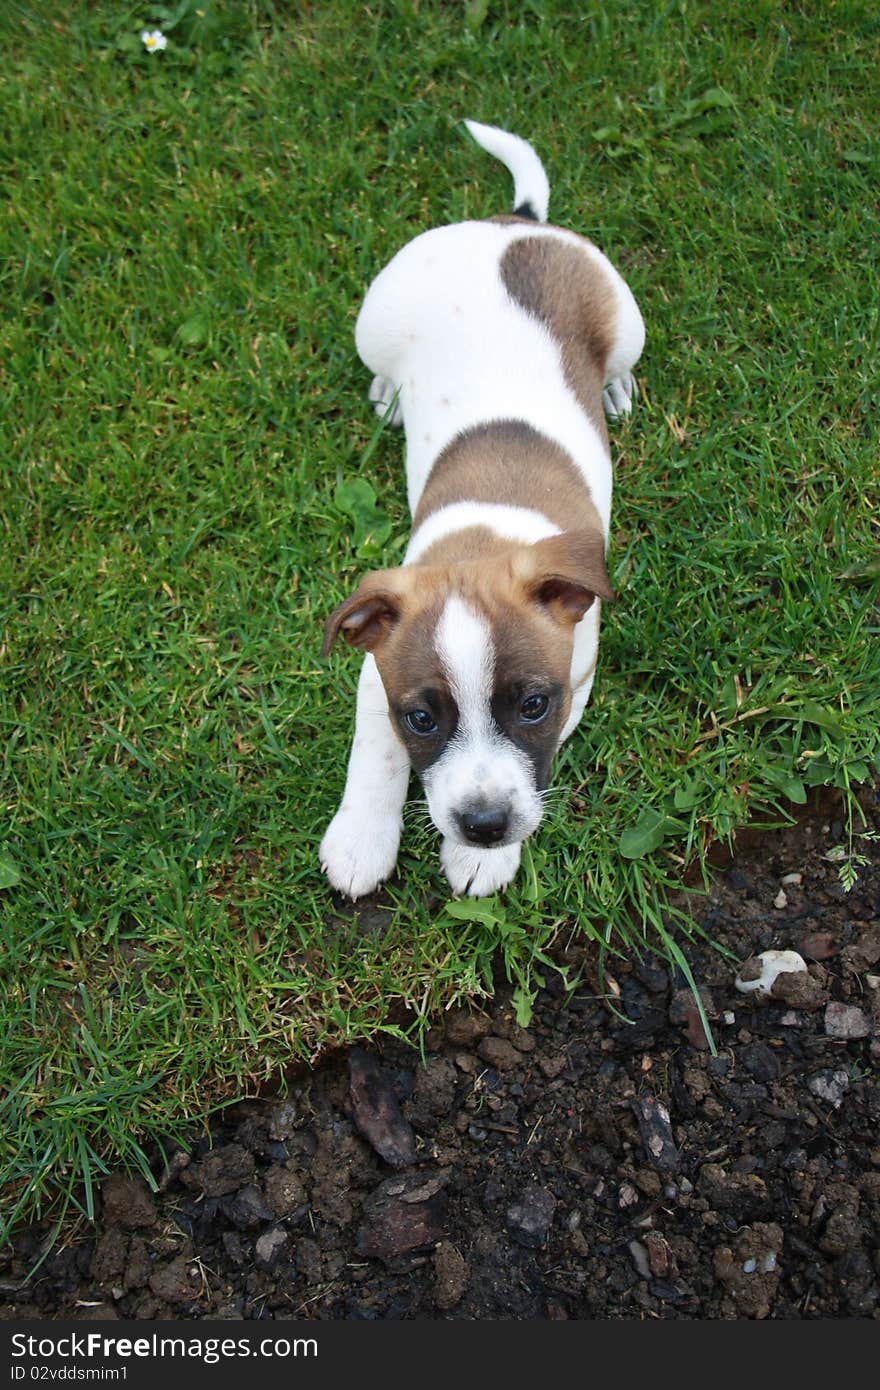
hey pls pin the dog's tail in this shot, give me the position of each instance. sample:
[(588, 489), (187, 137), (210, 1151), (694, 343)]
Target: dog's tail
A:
[(531, 189)]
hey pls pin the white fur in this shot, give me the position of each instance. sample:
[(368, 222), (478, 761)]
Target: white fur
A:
[(512, 523), (530, 183), (479, 765), (478, 872)]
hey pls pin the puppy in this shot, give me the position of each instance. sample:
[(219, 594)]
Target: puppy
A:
[(500, 346)]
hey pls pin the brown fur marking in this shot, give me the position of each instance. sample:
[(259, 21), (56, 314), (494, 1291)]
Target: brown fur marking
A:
[(574, 299), (508, 460)]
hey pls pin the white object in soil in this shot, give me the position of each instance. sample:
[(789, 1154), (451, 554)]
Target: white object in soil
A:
[(773, 963)]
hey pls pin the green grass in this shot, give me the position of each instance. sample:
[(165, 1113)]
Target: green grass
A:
[(186, 239)]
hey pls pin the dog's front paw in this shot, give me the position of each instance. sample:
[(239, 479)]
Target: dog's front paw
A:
[(619, 395), (478, 872), (359, 850), (386, 400)]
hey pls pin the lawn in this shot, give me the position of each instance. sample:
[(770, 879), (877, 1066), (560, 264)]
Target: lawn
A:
[(186, 238)]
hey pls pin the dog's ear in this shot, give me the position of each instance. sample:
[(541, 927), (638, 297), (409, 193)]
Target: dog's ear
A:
[(566, 573), (366, 618)]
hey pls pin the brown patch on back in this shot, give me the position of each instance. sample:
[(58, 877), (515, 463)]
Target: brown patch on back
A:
[(574, 299), (510, 462)]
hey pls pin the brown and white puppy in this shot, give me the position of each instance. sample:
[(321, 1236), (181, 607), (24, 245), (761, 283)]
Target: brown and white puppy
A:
[(500, 346)]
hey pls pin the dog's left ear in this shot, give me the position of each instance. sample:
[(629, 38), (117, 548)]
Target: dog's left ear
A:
[(566, 573), (366, 618)]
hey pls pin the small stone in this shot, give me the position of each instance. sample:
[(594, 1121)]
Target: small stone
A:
[(792, 880), (845, 1021), (640, 1259), (830, 1086), (627, 1196), (269, 1246), (656, 1132), (247, 1208), (404, 1214), (780, 901), (466, 1062), (529, 1219), (376, 1112), (660, 1256)]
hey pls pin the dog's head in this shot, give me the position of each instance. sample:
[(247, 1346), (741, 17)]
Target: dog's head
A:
[(475, 658)]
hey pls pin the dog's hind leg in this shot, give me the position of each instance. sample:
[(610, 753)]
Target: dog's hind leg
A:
[(620, 389), (386, 400)]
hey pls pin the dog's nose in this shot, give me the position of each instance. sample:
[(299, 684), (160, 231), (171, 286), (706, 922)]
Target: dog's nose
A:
[(485, 825)]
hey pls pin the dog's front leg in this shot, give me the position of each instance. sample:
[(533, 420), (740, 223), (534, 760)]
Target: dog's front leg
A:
[(359, 848)]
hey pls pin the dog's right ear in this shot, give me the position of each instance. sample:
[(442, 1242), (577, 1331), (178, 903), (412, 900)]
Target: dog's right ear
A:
[(368, 616)]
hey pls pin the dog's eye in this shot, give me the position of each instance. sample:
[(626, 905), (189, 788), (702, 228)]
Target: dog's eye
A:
[(421, 722), (534, 708)]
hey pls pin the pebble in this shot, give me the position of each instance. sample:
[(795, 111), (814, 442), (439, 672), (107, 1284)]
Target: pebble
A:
[(269, 1246), (403, 1214), (767, 966), (845, 1021), (640, 1259), (780, 901), (247, 1208), (792, 880), (376, 1112), (660, 1256), (830, 1086), (530, 1218), (656, 1132), (283, 1120)]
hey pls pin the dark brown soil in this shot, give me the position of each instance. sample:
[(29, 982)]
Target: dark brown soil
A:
[(602, 1164)]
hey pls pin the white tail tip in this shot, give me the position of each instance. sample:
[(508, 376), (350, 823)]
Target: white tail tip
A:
[(531, 189)]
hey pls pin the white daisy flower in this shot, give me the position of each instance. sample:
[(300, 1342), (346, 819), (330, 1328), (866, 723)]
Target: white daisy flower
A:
[(153, 40)]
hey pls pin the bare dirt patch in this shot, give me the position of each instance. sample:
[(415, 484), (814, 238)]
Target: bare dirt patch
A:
[(600, 1164)]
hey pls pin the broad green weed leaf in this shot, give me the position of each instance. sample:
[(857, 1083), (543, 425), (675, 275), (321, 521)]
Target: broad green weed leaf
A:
[(646, 835)]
